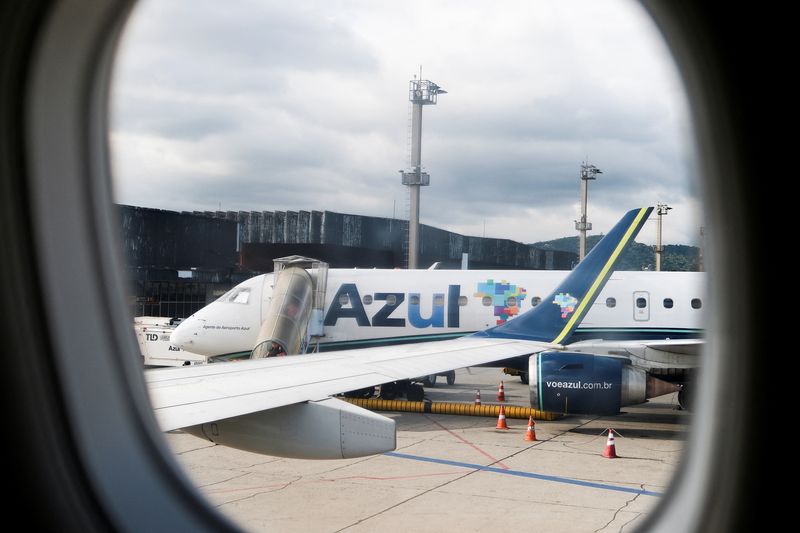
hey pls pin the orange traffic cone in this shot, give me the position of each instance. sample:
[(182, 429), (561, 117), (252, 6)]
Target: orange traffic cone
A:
[(501, 420), (478, 397), (501, 395), (530, 435), (611, 450)]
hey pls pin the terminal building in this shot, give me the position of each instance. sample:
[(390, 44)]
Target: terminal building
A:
[(179, 261)]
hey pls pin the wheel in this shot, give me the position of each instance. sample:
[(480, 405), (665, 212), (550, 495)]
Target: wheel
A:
[(415, 393), (451, 377), (524, 377), (429, 381)]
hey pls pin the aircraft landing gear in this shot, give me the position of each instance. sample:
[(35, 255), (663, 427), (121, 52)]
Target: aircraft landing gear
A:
[(430, 381)]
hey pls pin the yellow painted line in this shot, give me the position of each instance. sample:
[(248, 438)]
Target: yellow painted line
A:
[(595, 286)]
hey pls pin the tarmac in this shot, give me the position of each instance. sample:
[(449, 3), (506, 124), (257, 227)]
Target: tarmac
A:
[(458, 473)]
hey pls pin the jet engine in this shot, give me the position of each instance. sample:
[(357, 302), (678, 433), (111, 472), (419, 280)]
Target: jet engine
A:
[(570, 382)]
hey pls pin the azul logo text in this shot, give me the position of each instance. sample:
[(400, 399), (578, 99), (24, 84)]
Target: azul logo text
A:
[(348, 304)]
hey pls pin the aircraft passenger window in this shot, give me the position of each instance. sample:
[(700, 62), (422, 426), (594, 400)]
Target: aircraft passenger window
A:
[(413, 299), (512, 301), (641, 303), (668, 303), (611, 302), (487, 301), (462, 301), (438, 300), (367, 299), (344, 299), (696, 303), (391, 299), (535, 301)]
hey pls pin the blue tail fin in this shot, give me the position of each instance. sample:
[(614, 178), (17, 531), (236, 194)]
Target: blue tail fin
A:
[(559, 314)]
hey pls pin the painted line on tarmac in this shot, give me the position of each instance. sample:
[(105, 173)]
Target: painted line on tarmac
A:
[(468, 443), (520, 473)]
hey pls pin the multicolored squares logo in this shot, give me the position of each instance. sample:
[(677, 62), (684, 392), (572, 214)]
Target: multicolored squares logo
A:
[(506, 298), (567, 303)]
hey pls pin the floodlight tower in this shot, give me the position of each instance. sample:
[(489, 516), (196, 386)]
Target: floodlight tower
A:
[(661, 209), (420, 93), (588, 172)]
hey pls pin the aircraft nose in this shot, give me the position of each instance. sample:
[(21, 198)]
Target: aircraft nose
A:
[(186, 334)]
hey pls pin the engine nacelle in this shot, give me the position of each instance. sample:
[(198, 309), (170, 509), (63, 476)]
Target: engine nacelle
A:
[(570, 382), (327, 429)]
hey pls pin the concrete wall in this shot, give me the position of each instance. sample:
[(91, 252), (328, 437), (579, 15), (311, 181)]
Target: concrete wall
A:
[(208, 240), (166, 239), (387, 235)]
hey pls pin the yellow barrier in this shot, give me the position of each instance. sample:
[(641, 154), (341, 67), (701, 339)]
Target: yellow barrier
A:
[(451, 408)]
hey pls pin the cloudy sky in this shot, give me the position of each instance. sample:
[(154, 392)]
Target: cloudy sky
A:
[(260, 105)]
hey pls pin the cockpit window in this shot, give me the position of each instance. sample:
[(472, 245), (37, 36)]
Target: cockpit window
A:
[(236, 296)]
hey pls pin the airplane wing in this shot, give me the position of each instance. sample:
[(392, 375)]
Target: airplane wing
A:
[(254, 398), (662, 353), (678, 346), (188, 396)]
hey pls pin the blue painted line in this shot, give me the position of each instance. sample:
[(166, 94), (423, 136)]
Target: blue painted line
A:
[(519, 473)]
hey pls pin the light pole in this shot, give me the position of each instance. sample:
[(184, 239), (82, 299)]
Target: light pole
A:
[(420, 92), (588, 172), (662, 210)]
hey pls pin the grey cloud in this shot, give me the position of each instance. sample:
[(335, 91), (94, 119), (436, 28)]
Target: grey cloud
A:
[(303, 113)]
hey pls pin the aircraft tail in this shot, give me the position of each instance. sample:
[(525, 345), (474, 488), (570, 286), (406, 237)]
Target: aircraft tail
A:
[(559, 314)]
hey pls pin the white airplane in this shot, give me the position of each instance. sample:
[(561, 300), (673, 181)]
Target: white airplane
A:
[(284, 406), (381, 307), (653, 319)]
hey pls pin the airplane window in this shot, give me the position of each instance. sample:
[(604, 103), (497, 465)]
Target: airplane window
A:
[(261, 126), (240, 296), (668, 303), (696, 303)]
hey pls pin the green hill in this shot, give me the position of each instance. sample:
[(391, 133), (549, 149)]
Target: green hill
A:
[(676, 258)]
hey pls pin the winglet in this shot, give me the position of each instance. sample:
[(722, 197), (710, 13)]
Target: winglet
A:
[(559, 314)]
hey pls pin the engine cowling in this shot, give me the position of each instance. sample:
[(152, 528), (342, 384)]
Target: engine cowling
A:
[(326, 429), (570, 382)]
